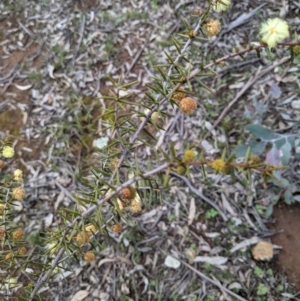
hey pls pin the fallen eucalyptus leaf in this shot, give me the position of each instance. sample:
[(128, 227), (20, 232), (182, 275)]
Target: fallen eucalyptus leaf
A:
[(172, 262), (80, 295), (214, 260), (22, 88)]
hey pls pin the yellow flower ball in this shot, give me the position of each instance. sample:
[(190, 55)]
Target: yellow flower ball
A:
[(212, 28), (135, 206), (274, 31), (89, 256), (18, 175), (181, 170), (8, 152), (189, 156), (221, 5), (18, 193), (18, 234), (218, 165)]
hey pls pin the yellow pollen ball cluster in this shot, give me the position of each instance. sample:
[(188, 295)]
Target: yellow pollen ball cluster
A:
[(18, 175), (83, 237), (181, 170), (189, 156), (221, 5), (274, 31), (89, 256), (218, 165), (188, 105), (18, 193), (18, 234), (212, 28), (135, 206), (8, 152)]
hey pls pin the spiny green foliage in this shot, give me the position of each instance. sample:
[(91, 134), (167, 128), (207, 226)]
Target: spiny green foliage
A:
[(102, 205)]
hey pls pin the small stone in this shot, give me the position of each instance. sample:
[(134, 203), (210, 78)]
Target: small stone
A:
[(296, 104), (263, 251)]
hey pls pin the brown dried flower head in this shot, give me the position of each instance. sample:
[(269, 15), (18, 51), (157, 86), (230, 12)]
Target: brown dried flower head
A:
[(83, 237), (212, 28), (2, 233), (18, 234), (188, 105), (2, 164), (128, 193), (22, 251), (117, 228), (9, 256), (177, 96), (18, 193), (89, 256)]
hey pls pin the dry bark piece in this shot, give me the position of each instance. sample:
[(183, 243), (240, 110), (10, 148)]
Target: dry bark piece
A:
[(263, 251)]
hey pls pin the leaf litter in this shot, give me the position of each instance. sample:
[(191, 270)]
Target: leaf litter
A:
[(67, 49)]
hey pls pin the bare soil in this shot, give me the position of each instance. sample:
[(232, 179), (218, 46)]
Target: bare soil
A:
[(288, 220)]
